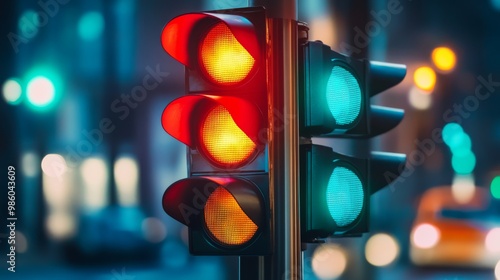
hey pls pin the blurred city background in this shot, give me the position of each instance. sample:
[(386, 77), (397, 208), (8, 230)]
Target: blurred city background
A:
[(83, 87)]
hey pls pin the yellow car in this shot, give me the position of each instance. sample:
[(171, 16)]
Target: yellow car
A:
[(447, 232)]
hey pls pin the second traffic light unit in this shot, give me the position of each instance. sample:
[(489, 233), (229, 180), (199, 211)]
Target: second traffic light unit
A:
[(223, 121), (334, 100)]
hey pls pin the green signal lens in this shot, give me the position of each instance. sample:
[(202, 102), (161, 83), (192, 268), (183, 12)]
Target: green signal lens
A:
[(343, 95), (344, 196)]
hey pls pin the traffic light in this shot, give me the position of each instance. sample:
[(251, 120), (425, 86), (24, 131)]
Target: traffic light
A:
[(334, 101), (223, 121)]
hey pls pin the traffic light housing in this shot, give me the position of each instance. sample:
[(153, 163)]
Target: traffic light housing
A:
[(334, 94), (334, 102), (222, 119)]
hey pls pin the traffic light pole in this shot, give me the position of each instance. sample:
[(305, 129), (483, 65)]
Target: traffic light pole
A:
[(286, 260)]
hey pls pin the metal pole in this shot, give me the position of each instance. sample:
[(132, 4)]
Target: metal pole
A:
[(286, 260)]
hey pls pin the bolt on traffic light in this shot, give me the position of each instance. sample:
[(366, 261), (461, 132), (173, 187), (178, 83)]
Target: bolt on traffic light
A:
[(223, 121), (334, 100)]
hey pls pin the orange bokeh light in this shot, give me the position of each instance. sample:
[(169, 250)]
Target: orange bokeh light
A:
[(444, 58), (425, 78)]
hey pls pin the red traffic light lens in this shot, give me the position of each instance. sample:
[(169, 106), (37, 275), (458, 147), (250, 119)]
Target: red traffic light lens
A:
[(223, 59), (223, 141), (226, 222)]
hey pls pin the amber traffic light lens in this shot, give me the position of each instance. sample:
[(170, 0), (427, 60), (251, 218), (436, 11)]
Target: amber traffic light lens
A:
[(224, 59), (226, 221), (224, 142)]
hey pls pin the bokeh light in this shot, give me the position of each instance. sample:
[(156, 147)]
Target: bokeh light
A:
[(419, 99), (21, 242), (497, 270), (11, 91), (40, 91), (425, 236), (27, 24), (381, 249), (58, 187), (29, 164), (60, 225), (54, 165), (492, 241), (463, 160), (94, 173), (463, 188), (460, 144), (425, 78), (322, 28), (329, 261), (463, 163), (450, 130), (495, 187), (154, 230), (91, 26), (444, 58), (496, 4), (126, 173)]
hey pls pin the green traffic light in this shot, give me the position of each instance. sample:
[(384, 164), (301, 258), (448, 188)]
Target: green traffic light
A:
[(344, 196), (343, 96)]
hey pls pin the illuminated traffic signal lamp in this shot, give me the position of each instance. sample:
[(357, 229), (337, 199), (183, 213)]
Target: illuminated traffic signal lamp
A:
[(223, 121), (229, 132), (225, 215), (334, 94), (336, 190), (334, 101), (223, 117)]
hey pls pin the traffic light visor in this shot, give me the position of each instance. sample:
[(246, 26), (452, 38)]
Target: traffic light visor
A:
[(216, 36)]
